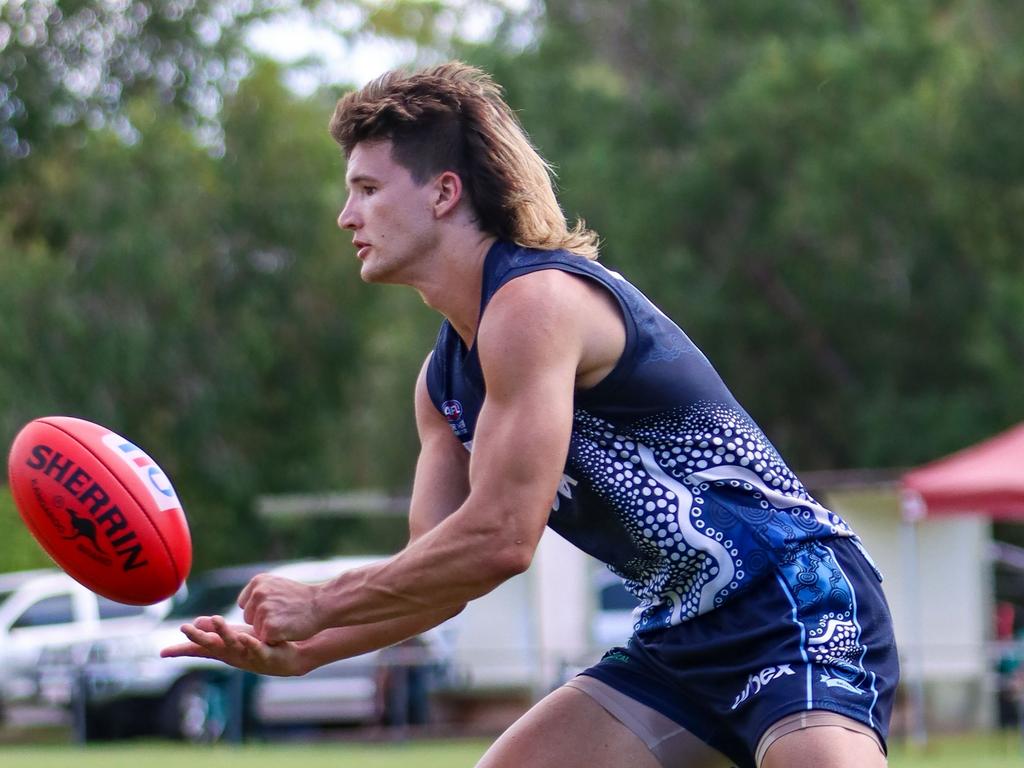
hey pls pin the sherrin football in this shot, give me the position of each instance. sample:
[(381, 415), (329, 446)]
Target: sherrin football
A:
[(101, 508)]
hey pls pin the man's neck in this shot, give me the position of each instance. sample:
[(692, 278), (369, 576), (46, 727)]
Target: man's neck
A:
[(453, 287)]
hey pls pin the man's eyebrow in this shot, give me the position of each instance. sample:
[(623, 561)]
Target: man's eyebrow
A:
[(361, 178)]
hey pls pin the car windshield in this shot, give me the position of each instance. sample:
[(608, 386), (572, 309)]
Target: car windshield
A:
[(206, 600)]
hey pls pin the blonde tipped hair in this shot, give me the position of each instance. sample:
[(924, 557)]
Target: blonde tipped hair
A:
[(452, 118)]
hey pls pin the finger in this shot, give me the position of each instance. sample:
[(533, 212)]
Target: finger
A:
[(186, 649), (227, 634), (206, 639), (246, 594), (254, 647), (273, 636), (272, 633), (204, 623), (251, 643)]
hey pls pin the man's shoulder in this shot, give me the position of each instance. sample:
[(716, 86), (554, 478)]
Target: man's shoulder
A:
[(546, 292)]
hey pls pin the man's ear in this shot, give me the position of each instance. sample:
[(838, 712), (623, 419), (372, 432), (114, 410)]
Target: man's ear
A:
[(447, 193)]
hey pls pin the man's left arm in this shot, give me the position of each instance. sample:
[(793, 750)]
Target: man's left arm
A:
[(529, 345)]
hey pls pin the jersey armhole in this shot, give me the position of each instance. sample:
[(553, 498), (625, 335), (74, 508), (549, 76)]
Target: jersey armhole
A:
[(436, 369)]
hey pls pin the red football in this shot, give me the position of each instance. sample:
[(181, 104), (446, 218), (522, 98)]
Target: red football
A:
[(101, 508)]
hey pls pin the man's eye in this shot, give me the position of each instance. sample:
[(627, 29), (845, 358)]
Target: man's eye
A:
[(369, 190)]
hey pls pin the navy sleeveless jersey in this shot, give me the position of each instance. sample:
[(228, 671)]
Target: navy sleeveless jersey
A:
[(668, 481)]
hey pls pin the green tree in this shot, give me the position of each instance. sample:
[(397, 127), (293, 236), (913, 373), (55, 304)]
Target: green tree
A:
[(792, 183), (209, 308)]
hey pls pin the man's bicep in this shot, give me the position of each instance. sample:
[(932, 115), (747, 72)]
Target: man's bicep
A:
[(529, 353), (522, 438), (441, 482)]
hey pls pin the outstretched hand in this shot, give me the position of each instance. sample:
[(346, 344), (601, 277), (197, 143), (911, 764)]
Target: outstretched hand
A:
[(211, 637)]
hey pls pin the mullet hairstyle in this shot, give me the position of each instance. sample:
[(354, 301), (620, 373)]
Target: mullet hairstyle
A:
[(452, 118)]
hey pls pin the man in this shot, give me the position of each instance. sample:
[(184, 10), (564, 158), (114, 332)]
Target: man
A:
[(762, 638)]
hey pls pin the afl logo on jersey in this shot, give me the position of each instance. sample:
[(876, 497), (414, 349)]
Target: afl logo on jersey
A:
[(452, 410)]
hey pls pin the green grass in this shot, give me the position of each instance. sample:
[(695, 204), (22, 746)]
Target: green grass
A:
[(439, 754), (981, 751), (988, 751)]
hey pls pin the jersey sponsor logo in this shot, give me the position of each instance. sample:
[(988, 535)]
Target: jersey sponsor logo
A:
[(759, 680), (565, 486)]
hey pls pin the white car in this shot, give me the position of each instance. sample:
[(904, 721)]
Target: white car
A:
[(124, 687), (613, 618), (377, 687), (43, 607)]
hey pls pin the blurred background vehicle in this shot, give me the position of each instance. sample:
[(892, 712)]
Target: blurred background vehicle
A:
[(42, 607), (118, 686), (612, 623)]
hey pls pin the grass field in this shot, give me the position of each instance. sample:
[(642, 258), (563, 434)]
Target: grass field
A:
[(959, 752)]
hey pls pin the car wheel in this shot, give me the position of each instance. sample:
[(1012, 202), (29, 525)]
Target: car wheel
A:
[(195, 710), (92, 722), (98, 725)]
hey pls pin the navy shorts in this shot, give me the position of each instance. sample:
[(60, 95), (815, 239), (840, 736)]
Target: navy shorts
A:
[(814, 634)]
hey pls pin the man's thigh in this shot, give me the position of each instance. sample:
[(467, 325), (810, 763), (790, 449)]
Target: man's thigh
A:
[(570, 729), (829, 746)]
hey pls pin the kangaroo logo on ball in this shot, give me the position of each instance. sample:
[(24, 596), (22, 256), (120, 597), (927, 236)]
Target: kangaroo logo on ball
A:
[(83, 527)]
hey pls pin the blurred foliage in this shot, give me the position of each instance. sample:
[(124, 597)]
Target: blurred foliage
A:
[(64, 63), (829, 197), (205, 306), (825, 195), (18, 550)]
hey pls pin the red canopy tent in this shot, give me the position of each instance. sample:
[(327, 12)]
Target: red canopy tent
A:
[(984, 479)]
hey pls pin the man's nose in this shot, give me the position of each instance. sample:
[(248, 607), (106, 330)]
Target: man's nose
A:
[(347, 218)]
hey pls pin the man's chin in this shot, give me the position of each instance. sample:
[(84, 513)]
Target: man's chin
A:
[(370, 273)]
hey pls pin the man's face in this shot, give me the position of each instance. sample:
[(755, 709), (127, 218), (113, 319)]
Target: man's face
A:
[(391, 217)]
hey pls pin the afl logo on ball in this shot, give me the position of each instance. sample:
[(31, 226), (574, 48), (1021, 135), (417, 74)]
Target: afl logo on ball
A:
[(146, 469), (452, 410)]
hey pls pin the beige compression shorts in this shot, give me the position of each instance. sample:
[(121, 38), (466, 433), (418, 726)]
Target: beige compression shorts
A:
[(675, 746)]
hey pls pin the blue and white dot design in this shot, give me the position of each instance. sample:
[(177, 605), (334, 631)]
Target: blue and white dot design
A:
[(708, 502)]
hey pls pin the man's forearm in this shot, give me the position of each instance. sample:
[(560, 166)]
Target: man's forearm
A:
[(345, 642), (450, 565)]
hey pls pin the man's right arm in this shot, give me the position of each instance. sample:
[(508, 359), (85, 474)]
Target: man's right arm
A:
[(441, 485)]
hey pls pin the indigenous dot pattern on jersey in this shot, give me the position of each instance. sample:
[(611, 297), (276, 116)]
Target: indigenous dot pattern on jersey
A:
[(707, 499)]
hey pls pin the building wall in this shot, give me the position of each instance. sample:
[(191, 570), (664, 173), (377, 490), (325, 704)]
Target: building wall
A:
[(941, 604), (525, 632)]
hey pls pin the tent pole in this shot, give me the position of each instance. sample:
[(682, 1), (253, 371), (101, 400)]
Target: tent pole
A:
[(915, 654)]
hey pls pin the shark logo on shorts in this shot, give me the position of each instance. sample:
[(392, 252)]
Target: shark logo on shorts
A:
[(838, 682)]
